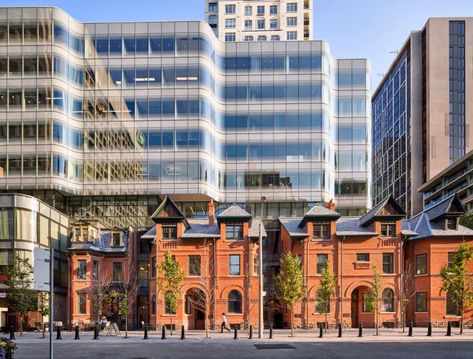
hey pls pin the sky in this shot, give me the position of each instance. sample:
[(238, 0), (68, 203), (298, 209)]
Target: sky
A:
[(373, 29)]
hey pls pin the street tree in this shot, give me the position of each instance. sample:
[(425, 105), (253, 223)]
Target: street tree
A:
[(289, 283), (127, 294), (326, 291), (171, 283), (43, 307), (19, 284), (408, 292), (373, 297), (99, 291), (457, 280)]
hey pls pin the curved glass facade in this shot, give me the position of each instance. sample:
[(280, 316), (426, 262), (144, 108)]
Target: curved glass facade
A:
[(166, 108)]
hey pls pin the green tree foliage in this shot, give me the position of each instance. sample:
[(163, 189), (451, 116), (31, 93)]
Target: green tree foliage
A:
[(373, 299), (20, 282), (171, 282), (43, 307), (326, 291), (457, 280), (289, 283)]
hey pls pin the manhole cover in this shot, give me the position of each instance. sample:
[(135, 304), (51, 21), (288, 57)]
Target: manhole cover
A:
[(274, 346)]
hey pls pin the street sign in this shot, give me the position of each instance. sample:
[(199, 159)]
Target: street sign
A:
[(41, 269)]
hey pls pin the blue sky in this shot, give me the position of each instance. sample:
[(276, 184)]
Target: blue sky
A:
[(354, 28)]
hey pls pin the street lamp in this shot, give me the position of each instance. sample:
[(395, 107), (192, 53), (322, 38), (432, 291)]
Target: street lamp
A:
[(260, 260)]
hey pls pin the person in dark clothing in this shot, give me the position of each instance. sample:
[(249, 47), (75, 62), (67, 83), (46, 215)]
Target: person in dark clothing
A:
[(224, 323)]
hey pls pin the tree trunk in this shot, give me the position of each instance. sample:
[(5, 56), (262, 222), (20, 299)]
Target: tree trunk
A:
[(126, 326), (171, 323), (326, 320), (462, 315), (292, 323), (42, 325), (21, 324)]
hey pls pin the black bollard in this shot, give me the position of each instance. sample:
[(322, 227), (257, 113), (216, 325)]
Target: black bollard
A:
[(449, 329), (163, 335), (340, 330), (235, 335), (271, 331), (76, 337), (429, 330), (183, 333), (251, 332), (410, 330), (145, 336), (360, 330), (58, 330), (321, 332), (12, 332), (96, 332)]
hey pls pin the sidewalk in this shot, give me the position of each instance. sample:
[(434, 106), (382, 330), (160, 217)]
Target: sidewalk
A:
[(279, 335)]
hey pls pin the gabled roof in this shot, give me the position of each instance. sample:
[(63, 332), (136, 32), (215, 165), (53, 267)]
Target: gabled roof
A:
[(292, 227), (150, 234), (102, 244), (386, 209), (319, 212), (450, 206), (350, 226), (253, 231), (199, 228), (168, 211), (234, 212)]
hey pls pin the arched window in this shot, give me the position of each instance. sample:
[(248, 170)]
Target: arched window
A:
[(388, 300), (320, 305), (170, 303), (234, 302)]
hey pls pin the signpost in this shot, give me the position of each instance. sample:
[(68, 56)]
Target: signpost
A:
[(43, 274)]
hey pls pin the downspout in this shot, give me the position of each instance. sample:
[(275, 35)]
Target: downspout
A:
[(248, 297), (156, 278), (307, 284), (341, 281), (214, 284), (401, 281)]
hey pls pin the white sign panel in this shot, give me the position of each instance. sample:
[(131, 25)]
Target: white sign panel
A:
[(41, 269)]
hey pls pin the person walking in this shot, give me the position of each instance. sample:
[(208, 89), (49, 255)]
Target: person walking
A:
[(224, 323)]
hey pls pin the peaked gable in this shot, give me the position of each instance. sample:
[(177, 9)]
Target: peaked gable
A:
[(386, 209), (449, 207), (234, 213), (168, 212), (319, 212)]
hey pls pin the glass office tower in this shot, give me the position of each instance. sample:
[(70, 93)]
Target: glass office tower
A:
[(121, 113)]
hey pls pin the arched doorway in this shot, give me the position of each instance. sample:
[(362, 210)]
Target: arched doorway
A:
[(195, 308), (358, 311)]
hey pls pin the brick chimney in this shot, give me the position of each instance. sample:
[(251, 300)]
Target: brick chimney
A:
[(211, 213), (331, 205)]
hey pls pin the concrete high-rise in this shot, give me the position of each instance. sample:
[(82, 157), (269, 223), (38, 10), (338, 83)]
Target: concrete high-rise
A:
[(420, 116), (260, 20)]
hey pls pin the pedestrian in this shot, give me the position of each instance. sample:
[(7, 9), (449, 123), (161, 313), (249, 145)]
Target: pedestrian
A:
[(103, 323), (225, 323)]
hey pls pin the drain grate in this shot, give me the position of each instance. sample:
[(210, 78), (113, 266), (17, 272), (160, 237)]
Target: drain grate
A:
[(273, 346)]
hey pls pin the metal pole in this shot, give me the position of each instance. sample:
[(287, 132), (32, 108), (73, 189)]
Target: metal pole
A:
[(51, 302), (260, 286)]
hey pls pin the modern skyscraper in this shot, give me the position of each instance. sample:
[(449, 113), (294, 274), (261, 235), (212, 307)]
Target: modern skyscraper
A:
[(260, 20), (421, 119)]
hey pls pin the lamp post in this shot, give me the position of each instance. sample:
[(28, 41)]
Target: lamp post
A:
[(260, 287)]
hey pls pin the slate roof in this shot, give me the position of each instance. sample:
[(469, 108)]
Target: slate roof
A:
[(253, 231), (102, 244), (292, 227), (151, 234), (374, 212), (168, 201), (450, 205), (321, 211), (350, 226), (199, 228), (234, 211)]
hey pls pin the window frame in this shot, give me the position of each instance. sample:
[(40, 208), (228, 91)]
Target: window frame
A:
[(320, 265), (82, 272), (235, 236), (388, 229), (417, 257), (240, 302), (321, 230), (232, 265), (418, 294), (115, 266), (358, 255), (169, 228), (383, 301), (191, 270), (391, 264)]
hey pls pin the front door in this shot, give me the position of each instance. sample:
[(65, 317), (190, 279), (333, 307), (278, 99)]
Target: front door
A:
[(354, 308), (199, 320)]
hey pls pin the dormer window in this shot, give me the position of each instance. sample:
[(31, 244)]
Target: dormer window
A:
[(321, 231), (234, 232), (116, 239), (388, 229), (169, 231), (451, 223)]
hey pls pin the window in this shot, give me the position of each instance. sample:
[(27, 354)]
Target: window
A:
[(388, 300), (248, 10), (194, 266), (116, 239), (169, 299), (292, 35), (273, 23), (292, 21), (421, 302), (451, 223), (321, 260), (234, 302), (81, 269), (153, 267), (234, 268), (388, 229), (248, 24), (229, 9), (213, 20), (365, 298), (388, 263), (230, 23), (212, 7), (273, 9), (260, 10), (117, 271), (262, 38), (421, 264), (234, 232), (291, 7), (81, 303), (453, 307), (275, 38), (362, 257), (321, 230), (169, 231), (255, 265), (320, 305), (260, 24), (153, 305), (230, 36), (248, 38), (95, 270)]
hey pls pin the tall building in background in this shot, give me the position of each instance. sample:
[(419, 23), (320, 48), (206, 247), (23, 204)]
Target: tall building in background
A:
[(260, 20), (102, 119), (420, 117)]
